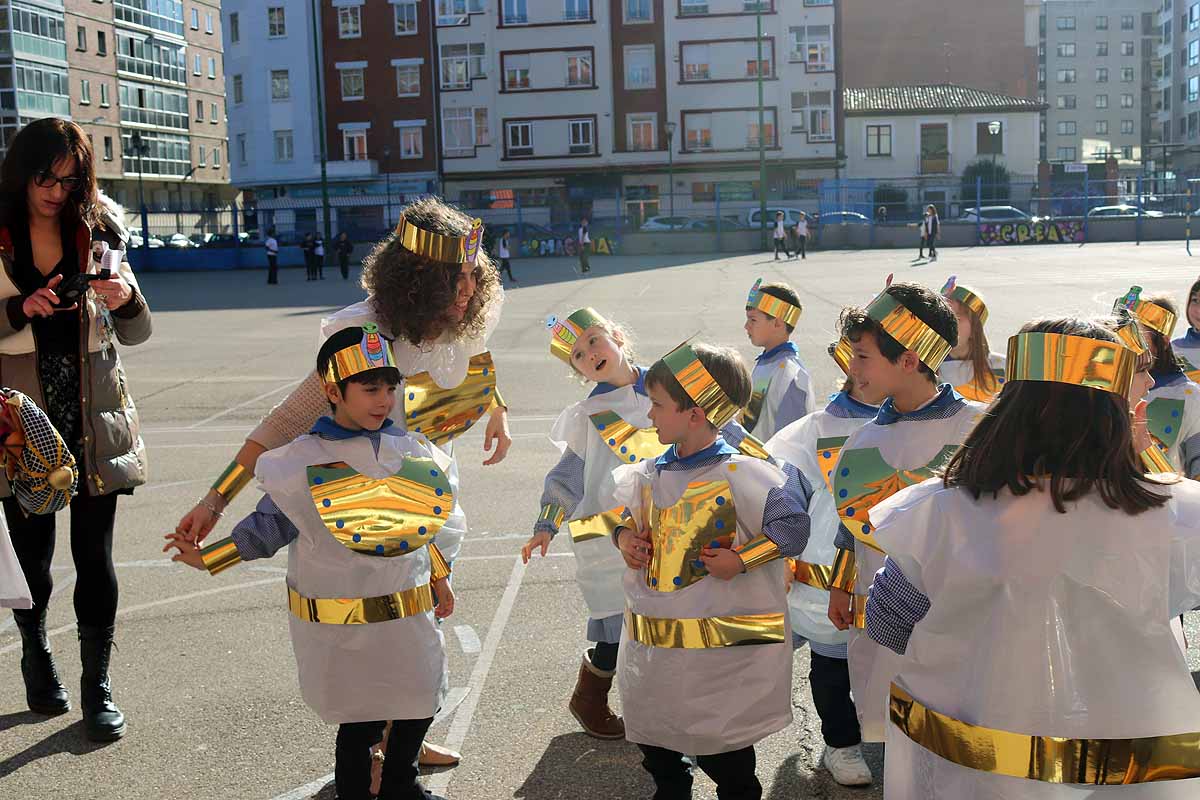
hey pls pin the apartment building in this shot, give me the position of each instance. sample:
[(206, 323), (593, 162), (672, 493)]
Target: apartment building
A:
[(1176, 102), (92, 85), (1097, 72)]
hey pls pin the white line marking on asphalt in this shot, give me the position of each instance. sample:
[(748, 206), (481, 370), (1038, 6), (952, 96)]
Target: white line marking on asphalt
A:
[(170, 484), (453, 700), (461, 724), (307, 790), (243, 404), (215, 429), (645, 289), (468, 639), (156, 603)]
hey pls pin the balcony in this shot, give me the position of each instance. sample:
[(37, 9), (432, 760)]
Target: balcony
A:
[(934, 164)]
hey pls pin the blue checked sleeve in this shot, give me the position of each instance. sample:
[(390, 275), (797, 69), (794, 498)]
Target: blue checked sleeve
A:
[(844, 539), (785, 516), (264, 532), (894, 607), (564, 487), (1189, 455)]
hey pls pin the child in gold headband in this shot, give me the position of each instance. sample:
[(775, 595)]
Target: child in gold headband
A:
[(1031, 589), (1173, 413), (705, 665), (782, 388), (608, 428), (1187, 347), (359, 501), (972, 368), (898, 343)]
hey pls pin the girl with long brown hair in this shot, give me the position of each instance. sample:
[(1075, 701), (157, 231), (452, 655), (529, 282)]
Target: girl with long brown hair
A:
[(972, 368)]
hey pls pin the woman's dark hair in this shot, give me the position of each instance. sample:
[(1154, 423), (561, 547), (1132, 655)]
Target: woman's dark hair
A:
[(1165, 362), (723, 363), (411, 293), (349, 337), (927, 306), (1080, 438), (36, 148)]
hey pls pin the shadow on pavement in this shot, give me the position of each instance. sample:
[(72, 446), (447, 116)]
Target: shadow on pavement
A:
[(556, 775), (68, 740), (795, 778)]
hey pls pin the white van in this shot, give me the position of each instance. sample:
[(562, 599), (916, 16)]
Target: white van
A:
[(790, 216)]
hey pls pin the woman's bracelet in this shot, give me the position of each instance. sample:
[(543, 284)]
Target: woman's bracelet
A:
[(204, 501)]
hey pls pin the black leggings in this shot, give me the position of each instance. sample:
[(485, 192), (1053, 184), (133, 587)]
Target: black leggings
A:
[(732, 772), (91, 548), (352, 767), (781, 244)]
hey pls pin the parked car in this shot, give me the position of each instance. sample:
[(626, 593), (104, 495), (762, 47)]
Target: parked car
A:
[(995, 214), (790, 216), (1123, 210), (666, 223), (135, 240), (842, 218), (219, 239), (180, 241), (713, 224)]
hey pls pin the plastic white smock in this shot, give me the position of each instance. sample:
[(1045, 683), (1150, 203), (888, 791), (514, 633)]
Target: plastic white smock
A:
[(1173, 419), (1043, 624), (778, 375), (960, 373), (356, 673)]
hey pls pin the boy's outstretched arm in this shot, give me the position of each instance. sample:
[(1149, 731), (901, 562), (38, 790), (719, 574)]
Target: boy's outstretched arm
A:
[(262, 534)]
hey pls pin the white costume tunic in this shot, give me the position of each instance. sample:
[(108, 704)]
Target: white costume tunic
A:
[(1187, 349), (1042, 624), (704, 700), (880, 458), (1173, 419), (960, 373), (394, 669), (603, 431), (812, 445), (446, 363), (782, 392)]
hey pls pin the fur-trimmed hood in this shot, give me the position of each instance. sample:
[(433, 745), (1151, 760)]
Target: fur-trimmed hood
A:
[(111, 215)]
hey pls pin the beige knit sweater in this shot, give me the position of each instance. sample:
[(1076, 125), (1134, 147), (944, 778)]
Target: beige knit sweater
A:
[(294, 417)]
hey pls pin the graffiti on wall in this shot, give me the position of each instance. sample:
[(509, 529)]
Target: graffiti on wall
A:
[(1043, 232), (602, 245)]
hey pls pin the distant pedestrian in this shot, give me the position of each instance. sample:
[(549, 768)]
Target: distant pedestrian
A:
[(801, 233), (342, 248), (930, 228), (781, 236), (881, 216), (272, 246), (319, 256), (310, 266), (502, 249), (585, 245)]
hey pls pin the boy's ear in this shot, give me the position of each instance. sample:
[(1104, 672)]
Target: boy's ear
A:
[(332, 393), (910, 361)]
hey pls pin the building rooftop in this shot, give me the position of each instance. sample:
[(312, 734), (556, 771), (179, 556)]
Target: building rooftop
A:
[(938, 98)]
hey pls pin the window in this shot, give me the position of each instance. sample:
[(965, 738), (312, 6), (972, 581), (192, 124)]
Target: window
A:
[(695, 62), (235, 33), (1066, 50), (1101, 23), (1066, 76), (406, 18), (1066, 128), (1101, 101), (196, 64), (1126, 74), (640, 69), (213, 116), (212, 67), (1127, 151), (201, 156), (640, 133), (1193, 16), (101, 43), (1126, 127), (1126, 48), (579, 70), (768, 132), (349, 22), (879, 140), (237, 89), (281, 87), (638, 11), (1101, 74), (1101, 49), (412, 141), (195, 19), (455, 12), (80, 38), (108, 148), (1126, 101), (353, 85), (516, 12), (1193, 89), (693, 7), (574, 10), (516, 72), (1066, 154), (104, 103), (283, 145), (241, 148), (518, 138), (216, 157), (815, 113), (753, 67), (85, 91), (697, 131), (199, 111), (1126, 22), (813, 46), (987, 143), (1065, 23), (277, 26), (354, 145), (461, 63), (464, 129), (1193, 53), (208, 22), (1065, 101), (581, 142), (408, 80), (1102, 127)]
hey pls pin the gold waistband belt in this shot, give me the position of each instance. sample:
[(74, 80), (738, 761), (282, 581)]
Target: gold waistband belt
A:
[(595, 526), (706, 632), (1096, 762), (361, 610), (860, 611)]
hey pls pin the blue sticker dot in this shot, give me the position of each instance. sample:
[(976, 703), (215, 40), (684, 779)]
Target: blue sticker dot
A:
[(487, 390), (845, 471), (433, 472), (624, 449), (850, 511), (421, 530), (843, 493), (633, 459), (485, 370), (612, 442), (720, 524), (357, 537), (412, 396), (827, 454), (417, 429), (378, 548), (403, 545), (326, 502), (479, 409), (599, 427), (1002, 380), (1167, 429), (714, 544), (437, 509), (318, 480), (866, 528), (829, 472), (438, 492), (467, 424), (678, 581), (654, 581), (413, 415), (698, 564), (720, 501), (1175, 412)]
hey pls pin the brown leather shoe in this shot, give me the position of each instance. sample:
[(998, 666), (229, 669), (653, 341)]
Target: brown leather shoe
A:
[(433, 755), (589, 703)]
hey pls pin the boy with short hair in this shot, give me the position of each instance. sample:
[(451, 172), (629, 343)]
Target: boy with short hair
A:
[(360, 502), (781, 387), (705, 518), (897, 342)]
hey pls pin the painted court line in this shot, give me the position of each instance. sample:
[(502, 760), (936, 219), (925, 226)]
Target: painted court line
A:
[(468, 639), (252, 400)]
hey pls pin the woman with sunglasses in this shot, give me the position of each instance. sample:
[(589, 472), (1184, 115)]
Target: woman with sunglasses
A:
[(62, 355)]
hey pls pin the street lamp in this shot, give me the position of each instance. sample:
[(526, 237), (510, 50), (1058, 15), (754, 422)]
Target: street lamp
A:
[(387, 177), (139, 149), (179, 205), (670, 126), (762, 148), (994, 128)]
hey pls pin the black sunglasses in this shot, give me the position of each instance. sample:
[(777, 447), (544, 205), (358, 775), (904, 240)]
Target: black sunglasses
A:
[(46, 179)]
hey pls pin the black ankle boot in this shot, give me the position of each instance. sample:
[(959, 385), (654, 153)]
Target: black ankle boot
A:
[(102, 720), (44, 692)]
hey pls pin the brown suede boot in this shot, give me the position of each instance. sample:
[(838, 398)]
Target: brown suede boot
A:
[(589, 703)]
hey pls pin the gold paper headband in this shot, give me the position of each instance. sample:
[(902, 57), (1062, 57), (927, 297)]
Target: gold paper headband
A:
[(1073, 360), (968, 298), (772, 306), (439, 247), (373, 352), (1152, 315), (565, 332), (841, 353), (908, 329), (1130, 335), (700, 385)]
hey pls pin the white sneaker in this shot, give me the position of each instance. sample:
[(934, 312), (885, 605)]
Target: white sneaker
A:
[(847, 765)]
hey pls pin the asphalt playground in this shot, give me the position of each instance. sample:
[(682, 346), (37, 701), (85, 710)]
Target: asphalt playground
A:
[(204, 669)]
